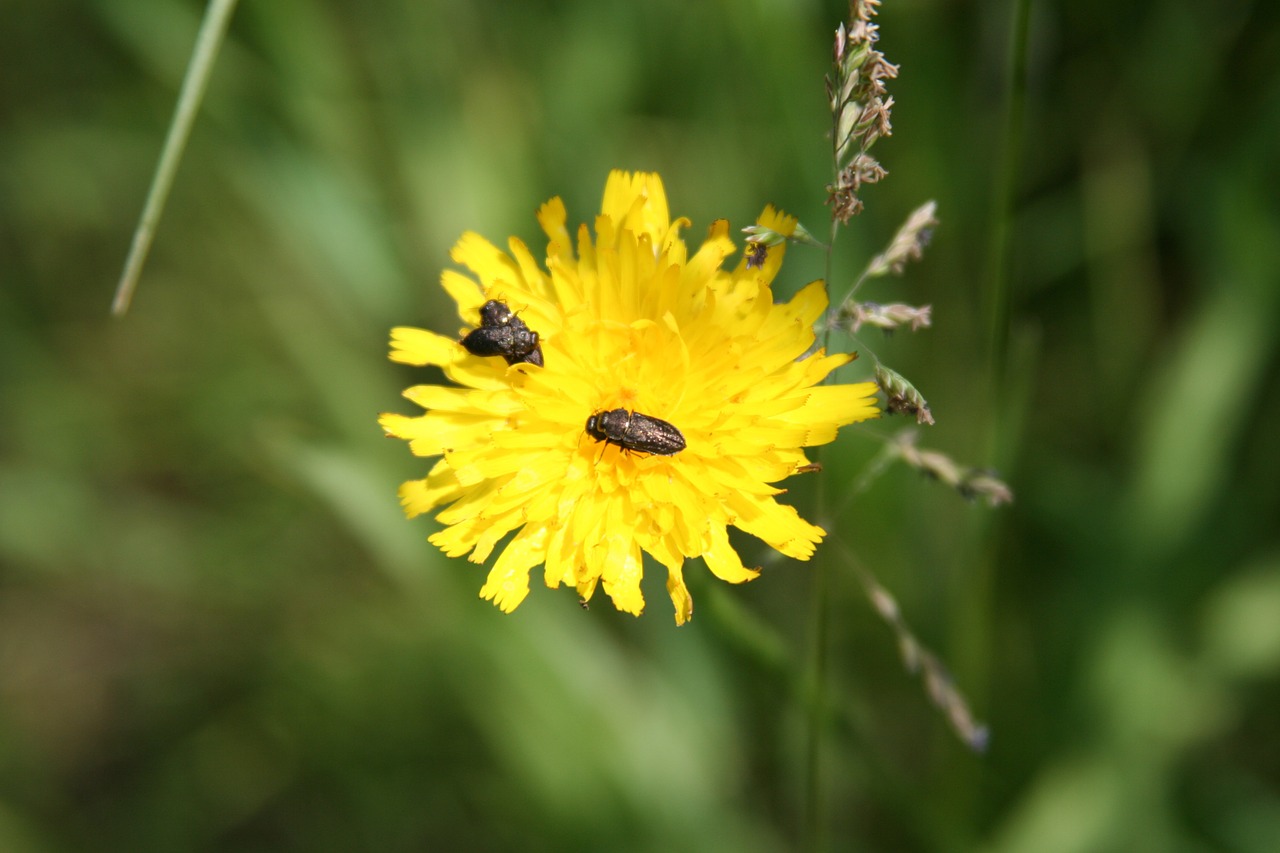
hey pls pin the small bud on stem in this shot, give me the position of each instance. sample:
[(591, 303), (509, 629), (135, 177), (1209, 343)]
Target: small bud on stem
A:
[(903, 398)]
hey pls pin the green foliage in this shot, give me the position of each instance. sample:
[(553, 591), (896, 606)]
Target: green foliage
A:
[(217, 632)]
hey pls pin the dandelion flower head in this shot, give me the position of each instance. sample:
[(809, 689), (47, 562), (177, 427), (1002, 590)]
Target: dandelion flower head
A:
[(627, 320)]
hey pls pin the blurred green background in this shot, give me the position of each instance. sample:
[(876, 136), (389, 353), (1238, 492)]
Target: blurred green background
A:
[(217, 631)]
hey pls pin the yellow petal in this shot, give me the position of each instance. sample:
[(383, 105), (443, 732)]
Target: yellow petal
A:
[(552, 217), (777, 524), (560, 567), (680, 598), (723, 561), (587, 588), (620, 574), (466, 293), (437, 432), (484, 259), (536, 283), (636, 202), (508, 581), (440, 486), (835, 405), (710, 255), (419, 346), (469, 401)]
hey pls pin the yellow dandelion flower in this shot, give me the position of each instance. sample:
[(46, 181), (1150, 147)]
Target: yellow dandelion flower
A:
[(629, 321)]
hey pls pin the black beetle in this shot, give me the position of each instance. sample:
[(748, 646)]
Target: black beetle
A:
[(503, 333), (635, 431)]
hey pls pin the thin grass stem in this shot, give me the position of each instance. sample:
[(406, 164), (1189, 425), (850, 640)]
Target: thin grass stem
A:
[(976, 597), (816, 718), (213, 30), (999, 292)]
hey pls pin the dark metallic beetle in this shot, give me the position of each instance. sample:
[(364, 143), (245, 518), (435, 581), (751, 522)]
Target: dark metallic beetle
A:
[(503, 333), (634, 431)]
